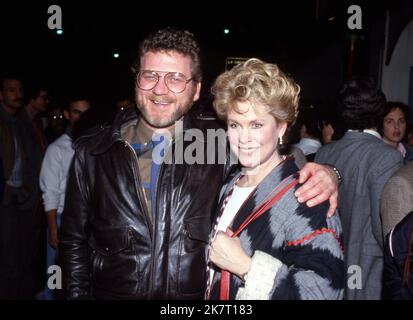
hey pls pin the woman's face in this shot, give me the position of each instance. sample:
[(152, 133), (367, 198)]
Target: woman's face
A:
[(394, 126), (254, 136)]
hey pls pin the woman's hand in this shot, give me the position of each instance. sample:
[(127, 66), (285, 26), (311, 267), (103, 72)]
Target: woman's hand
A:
[(227, 254), (320, 184)]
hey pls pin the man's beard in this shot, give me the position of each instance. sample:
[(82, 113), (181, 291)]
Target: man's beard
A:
[(162, 121)]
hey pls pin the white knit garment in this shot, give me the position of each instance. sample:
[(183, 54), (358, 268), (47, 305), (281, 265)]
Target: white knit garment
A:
[(260, 278)]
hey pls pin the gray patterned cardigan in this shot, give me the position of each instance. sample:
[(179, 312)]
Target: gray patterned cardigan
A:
[(295, 250)]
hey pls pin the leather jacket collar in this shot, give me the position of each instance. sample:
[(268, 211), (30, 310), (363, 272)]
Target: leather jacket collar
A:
[(113, 133)]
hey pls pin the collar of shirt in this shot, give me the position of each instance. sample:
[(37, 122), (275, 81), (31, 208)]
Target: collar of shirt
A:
[(369, 131)]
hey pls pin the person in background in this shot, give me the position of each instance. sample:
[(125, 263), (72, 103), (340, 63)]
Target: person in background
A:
[(393, 128), (38, 100), (55, 124), (398, 261), (310, 132), (53, 179), (366, 163), (397, 198), (332, 128), (18, 196)]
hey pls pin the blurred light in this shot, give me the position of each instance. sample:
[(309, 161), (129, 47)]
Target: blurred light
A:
[(226, 31), (331, 19), (59, 31), (116, 55)]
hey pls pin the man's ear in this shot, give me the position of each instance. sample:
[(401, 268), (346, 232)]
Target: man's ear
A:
[(197, 91)]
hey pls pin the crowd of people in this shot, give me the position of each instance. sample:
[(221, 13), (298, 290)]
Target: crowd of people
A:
[(330, 217)]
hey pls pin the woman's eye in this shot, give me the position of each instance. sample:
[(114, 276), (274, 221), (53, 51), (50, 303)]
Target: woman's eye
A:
[(257, 125), (232, 125)]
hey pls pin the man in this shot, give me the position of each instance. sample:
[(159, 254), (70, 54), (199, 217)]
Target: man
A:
[(136, 229), (38, 98), (366, 163), (18, 190), (53, 178)]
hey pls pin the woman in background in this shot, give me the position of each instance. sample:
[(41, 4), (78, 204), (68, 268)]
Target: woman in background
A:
[(394, 128)]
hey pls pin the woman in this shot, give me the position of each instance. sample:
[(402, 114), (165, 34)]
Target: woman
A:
[(291, 251), (394, 128)]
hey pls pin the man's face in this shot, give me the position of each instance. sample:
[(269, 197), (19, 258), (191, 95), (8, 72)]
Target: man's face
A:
[(41, 101), (160, 107), (12, 94), (394, 126), (76, 109)]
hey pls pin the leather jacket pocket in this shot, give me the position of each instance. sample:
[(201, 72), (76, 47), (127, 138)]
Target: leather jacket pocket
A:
[(115, 267), (192, 257)]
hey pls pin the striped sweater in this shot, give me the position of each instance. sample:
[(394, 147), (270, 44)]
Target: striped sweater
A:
[(295, 250)]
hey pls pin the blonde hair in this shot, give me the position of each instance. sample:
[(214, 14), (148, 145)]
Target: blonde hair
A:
[(257, 82)]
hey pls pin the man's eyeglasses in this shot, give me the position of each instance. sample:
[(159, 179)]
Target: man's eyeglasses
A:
[(174, 81)]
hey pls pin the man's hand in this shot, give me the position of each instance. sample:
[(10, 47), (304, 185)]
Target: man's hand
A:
[(321, 183), (53, 239), (227, 254)]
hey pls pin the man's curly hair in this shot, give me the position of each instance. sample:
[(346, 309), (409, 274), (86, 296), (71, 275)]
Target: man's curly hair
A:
[(170, 39), (362, 104)]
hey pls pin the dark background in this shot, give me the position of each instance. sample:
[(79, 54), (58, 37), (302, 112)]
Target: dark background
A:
[(308, 39)]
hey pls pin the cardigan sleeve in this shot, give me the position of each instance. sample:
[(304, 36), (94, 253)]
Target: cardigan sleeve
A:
[(312, 256)]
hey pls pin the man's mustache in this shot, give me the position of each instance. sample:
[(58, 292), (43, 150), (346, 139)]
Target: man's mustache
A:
[(162, 99)]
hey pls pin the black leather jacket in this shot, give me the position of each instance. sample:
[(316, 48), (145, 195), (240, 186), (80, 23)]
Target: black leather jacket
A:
[(110, 248)]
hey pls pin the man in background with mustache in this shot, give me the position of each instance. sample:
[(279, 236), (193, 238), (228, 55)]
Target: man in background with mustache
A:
[(18, 196)]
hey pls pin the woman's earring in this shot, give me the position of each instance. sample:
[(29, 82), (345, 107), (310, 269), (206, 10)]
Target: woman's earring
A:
[(281, 140)]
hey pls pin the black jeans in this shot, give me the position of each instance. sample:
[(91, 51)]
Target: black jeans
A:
[(17, 253)]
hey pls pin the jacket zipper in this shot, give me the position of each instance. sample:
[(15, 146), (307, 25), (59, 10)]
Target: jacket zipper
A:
[(162, 166), (139, 190), (153, 229)]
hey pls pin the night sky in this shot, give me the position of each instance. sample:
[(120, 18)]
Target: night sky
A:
[(289, 33)]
